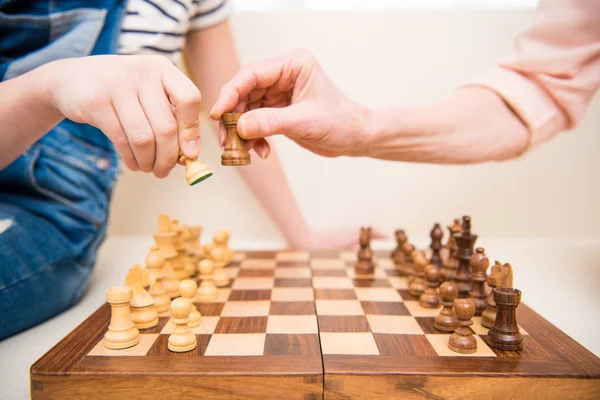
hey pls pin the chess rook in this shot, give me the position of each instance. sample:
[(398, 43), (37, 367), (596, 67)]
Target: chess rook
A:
[(462, 340), (505, 334), (446, 320), (235, 152), (365, 265), (122, 332), (465, 242), (479, 264)]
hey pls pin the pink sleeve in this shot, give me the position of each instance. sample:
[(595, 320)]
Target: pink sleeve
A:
[(555, 71)]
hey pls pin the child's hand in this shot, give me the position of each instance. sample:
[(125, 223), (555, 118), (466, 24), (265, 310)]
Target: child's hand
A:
[(292, 95), (144, 104)]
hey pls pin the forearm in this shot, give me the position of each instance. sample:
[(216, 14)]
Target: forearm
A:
[(473, 125), (211, 61), (26, 114)]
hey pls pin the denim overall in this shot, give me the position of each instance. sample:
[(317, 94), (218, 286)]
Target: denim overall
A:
[(54, 199)]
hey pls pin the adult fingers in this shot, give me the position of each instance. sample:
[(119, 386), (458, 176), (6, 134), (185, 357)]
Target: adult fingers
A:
[(185, 98), (164, 125), (264, 122), (137, 128)]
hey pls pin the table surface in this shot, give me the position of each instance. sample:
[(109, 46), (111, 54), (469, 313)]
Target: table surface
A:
[(541, 267)]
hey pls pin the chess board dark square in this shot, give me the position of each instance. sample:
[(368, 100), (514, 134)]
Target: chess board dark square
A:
[(292, 308), (343, 323), (335, 294), (403, 345), (405, 294), (247, 295), (392, 272), (368, 282), (291, 263), (426, 324), (160, 347), (242, 325), (384, 308), (256, 272), (260, 254), (162, 321), (292, 344), (531, 348), (210, 309), (293, 282)]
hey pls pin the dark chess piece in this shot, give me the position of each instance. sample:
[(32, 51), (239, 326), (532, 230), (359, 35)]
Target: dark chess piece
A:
[(505, 334), (405, 268), (365, 265), (416, 281), (436, 234), (446, 320), (462, 340), (479, 264), (234, 151), (500, 276), (398, 254), (430, 297), (451, 263), (465, 242)]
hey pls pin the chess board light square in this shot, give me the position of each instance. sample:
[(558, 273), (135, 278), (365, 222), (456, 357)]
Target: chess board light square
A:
[(253, 283), (327, 263), (332, 282), (258, 263), (377, 294), (348, 256), (416, 310), (246, 309), (236, 344), (232, 272), (440, 345), (296, 324), (292, 294), (146, 342), (339, 307), (398, 282), (293, 272), (238, 256), (300, 256), (394, 324), (361, 343)]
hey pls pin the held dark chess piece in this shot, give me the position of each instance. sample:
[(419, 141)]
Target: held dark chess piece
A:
[(500, 276), (365, 265), (398, 254), (465, 242), (505, 334), (479, 264), (430, 297), (234, 151), (436, 234), (446, 320), (462, 340)]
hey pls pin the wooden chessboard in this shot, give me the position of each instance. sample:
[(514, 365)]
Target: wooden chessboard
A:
[(299, 325)]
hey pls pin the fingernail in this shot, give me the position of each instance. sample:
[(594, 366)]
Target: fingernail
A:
[(192, 146), (244, 123), (263, 152)]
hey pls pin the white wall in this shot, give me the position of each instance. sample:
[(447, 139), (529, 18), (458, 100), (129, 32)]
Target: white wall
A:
[(422, 55)]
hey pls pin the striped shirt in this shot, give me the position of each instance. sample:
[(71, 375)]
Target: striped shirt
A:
[(160, 26)]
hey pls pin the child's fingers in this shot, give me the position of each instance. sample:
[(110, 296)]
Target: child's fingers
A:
[(137, 128), (108, 122), (164, 125), (185, 98)]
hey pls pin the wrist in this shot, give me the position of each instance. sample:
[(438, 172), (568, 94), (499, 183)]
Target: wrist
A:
[(42, 81)]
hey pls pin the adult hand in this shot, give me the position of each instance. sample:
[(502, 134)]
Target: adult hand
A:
[(292, 95), (332, 239), (144, 104)]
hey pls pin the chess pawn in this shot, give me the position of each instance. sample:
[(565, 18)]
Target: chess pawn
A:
[(220, 241), (218, 256), (226, 235), (188, 288), (195, 171), (430, 298), (451, 263), (143, 312), (479, 264), (154, 264), (417, 283), (365, 265), (207, 290), (462, 340), (398, 253), (122, 332), (234, 152), (220, 277), (181, 339), (446, 320), (505, 334)]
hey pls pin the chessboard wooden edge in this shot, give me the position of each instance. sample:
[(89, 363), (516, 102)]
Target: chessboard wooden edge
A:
[(64, 372)]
